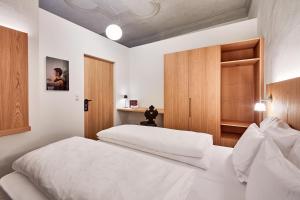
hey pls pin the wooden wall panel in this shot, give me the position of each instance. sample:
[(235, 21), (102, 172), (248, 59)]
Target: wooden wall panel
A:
[(285, 101), (176, 102), (238, 93), (13, 82)]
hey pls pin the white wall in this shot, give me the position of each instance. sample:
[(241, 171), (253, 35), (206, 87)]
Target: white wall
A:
[(279, 23), (62, 115), (147, 63)]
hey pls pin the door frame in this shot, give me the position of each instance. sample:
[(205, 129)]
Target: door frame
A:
[(113, 82)]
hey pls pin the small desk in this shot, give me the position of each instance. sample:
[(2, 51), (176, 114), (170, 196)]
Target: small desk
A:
[(139, 110)]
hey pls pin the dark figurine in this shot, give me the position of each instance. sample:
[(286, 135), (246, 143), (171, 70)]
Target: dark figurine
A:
[(150, 115)]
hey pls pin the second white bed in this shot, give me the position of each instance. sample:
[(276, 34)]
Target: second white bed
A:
[(219, 182)]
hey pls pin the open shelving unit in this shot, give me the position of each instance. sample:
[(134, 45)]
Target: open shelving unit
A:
[(236, 124), (244, 62), (241, 87)]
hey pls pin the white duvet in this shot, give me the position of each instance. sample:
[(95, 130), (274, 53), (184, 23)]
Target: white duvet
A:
[(79, 168)]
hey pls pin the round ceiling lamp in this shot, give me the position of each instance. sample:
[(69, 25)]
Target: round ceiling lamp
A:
[(114, 32)]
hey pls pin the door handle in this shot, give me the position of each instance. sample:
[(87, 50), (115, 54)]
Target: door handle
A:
[(86, 104), (190, 105)]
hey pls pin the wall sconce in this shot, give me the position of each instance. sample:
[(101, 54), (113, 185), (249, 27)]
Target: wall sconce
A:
[(261, 105)]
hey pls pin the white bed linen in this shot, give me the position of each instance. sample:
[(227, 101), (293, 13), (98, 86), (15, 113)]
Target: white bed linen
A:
[(245, 150), (273, 176), (217, 183), (18, 187), (203, 163), (162, 140)]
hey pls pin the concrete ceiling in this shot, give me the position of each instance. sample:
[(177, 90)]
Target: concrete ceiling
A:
[(145, 21)]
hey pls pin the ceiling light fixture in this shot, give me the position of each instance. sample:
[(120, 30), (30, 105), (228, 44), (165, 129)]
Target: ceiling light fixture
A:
[(114, 32)]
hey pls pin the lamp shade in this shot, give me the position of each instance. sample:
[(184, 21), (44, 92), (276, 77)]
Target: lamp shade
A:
[(260, 107), (113, 32)]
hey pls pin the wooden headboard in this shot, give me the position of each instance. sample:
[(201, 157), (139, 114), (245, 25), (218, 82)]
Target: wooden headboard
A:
[(285, 102)]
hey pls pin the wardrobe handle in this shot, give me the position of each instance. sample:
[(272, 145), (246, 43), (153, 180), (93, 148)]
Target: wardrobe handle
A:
[(190, 102)]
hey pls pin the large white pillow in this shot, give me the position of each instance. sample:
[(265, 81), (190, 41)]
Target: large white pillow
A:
[(284, 137), (272, 122), (203, 163), (245, 151), (184, 146), (175, 142), (273, 176), (294, 154)]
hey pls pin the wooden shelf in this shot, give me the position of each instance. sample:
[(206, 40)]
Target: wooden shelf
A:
[(236, 124), (244, 62), (139, 110), (230, 135), (229, 139), (246, 44)]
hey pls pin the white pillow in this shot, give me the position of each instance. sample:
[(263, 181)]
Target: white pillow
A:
[(294, 154), (272, 176), (284, 137), (272, 122), (175, 142), (245, 151), (203, 163), (184, 146)]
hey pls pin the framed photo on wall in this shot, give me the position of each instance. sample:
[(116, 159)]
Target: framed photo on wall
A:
[(57, 74)]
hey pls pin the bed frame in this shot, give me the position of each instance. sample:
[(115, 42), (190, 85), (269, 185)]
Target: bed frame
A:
[(285, 102)]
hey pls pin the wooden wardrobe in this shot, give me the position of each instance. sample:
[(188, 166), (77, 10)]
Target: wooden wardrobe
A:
[(192, 90), (214, 89)]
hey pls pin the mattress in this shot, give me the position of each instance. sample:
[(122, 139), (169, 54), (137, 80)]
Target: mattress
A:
[(219, 182)]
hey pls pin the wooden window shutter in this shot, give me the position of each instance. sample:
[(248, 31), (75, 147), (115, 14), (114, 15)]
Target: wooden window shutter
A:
[(13, 82)]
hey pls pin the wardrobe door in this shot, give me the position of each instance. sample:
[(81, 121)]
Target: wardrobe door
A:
[(176, 108), (197, 90), (204, 90)]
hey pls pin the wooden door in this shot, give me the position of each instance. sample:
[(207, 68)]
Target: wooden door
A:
[(176, 101), (98, 88), (204, 90)]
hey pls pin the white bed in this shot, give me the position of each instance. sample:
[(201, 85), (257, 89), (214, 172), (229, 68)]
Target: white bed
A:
[(18, 186), (219, 182)]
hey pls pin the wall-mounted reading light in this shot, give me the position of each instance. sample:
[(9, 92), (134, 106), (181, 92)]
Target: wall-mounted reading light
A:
[(261, 105)]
